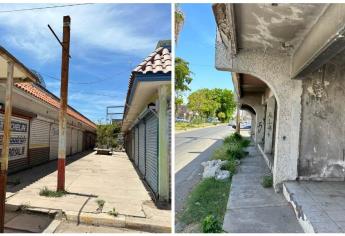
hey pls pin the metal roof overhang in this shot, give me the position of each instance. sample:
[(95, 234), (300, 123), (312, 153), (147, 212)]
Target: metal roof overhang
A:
[(144, 89), (20, 74)]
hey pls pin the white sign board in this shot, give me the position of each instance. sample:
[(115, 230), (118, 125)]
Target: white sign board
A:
[(19, 137)]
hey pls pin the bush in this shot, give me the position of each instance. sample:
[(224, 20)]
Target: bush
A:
[(211, 224), (233, 138), (267, 181), (230, 166), (235, 150), (245, 143), (220, 154)]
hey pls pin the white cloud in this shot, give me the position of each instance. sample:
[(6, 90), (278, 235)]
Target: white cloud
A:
[(110, 27)]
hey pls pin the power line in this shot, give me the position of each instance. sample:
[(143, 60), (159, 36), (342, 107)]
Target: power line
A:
[(42, 8)]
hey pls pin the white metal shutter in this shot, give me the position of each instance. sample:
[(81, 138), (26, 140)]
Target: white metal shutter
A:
[(74, 141), (136, 151), (142, 148), (68, 141), (54, 141), (39, 141), (80, 141), (152, 152)]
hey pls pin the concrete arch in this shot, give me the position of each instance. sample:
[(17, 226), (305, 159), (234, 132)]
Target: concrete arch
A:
[(274, 70)]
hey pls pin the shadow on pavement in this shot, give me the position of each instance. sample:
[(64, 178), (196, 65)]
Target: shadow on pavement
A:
[(31, 175)]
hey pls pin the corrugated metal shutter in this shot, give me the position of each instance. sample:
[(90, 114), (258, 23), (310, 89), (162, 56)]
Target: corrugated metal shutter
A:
[(54, 141), (18, 156), (169, 148), (152, 152), (74, 141), (133, 144), (39, 141), (80, 141), (136, 151), (142, 147), (68, 141)]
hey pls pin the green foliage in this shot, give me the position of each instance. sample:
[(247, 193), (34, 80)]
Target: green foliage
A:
[(220, 154), (245, 143), (50, 193), (183, 75), (107, 135), (202, 101), (233, 138), (235, 150), (210, 102), (179, 21), (230, 166), (100, 203), (113, 212), (209, 197), (211, 224), (267, 181)]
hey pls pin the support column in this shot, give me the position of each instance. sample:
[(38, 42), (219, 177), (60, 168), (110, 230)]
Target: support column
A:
[(260, 124), (163, 158), (238, 121), (271, 104), (6, 143), (253, 124)]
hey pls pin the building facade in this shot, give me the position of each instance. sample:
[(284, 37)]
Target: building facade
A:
[(147, 120), (287, 65), (34, 127)]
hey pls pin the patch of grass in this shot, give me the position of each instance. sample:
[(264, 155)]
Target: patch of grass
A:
[(233, 138), (235, 150), (100, 203), (220, 154), (231, 166), (211, 224), (185, 126), (209, 197), (50, 193), (245, 143), (113, 212), (267, 181)]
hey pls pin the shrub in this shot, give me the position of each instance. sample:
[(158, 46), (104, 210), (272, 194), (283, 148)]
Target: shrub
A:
[(211, 224), (220, 154), (245, 143), (267, 181), (113, 212), (230, 166), (50, 193), (235, 150), (233, 138), (100, 203)]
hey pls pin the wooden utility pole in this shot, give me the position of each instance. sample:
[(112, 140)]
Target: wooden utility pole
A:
[(6, 143), (238, 123), (63, 104)]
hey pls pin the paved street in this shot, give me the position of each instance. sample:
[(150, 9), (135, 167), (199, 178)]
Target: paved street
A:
[(191, 149)]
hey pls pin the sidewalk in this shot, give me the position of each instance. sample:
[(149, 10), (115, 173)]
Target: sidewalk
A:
[(252, 208), (109, 178)]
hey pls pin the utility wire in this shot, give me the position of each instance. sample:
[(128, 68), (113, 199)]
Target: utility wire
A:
[(42, 8)]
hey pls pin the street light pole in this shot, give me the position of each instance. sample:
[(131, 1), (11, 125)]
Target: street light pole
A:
[(63, 104), (6, 143)]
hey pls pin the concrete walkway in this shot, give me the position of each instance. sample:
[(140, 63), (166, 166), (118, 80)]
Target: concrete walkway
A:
[(109, 178), (319, 206), (254, 209)]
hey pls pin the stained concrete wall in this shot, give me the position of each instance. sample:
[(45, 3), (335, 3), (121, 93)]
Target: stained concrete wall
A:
[(269, 126), (322, 145)]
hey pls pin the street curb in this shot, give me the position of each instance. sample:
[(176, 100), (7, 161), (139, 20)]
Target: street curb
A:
[(52, 227)]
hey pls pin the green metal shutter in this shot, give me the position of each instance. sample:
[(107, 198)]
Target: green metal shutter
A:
[(136, 151), (152, 152), (142, 148)]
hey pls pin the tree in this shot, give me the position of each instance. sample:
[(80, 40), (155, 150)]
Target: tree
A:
[(182, 80), (213, 102), (107, 135), (179, 21), (226, 101), (203, 102)]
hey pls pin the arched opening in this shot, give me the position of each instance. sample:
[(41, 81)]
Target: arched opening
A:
[(257, 97)]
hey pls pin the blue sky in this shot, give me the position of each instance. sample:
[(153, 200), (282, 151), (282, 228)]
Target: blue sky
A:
[(196, 44), (107, 42)]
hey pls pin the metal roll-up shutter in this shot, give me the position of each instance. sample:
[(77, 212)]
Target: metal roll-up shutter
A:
[(133, 144), (74, 141), (152, 152), (68, 141), (80, 141), (136, 143), (39, 141), (169, 149), (142, 148), (18, 155), (53, 141)]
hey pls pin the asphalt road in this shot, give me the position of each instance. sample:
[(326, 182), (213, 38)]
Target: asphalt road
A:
[(191, 149)]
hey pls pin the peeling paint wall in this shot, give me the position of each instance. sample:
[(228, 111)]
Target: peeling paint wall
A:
[(322, 146)]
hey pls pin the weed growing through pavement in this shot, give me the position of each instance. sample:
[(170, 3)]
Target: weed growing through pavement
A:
[(50, 193)]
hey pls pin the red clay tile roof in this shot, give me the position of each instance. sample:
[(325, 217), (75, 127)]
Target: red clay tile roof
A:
[(158, 61), (49, 98)]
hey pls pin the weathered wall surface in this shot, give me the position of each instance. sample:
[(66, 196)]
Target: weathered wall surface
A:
[(322, 146)]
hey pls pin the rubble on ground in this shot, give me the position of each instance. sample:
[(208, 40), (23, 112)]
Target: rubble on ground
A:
[(212, 169)]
